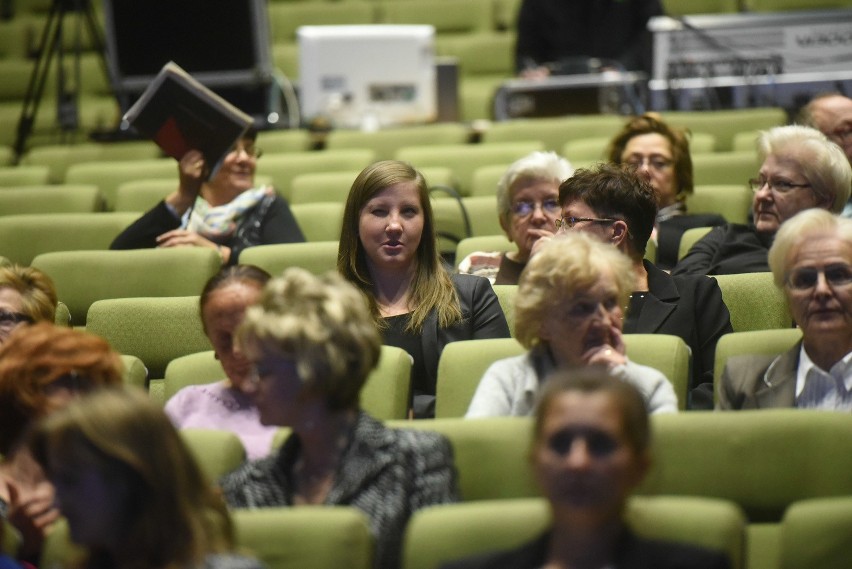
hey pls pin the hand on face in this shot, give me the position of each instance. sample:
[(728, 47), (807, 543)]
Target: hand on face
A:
[(533, 214), (609, 354), (32, 516)]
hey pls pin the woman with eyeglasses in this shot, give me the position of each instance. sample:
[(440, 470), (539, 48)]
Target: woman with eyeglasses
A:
[(801, 169), (226, 212), (591, 449), (389, 251), (27, 295), (811, 261), (527, 207), (569, 313), (42, 369), (660, 155)]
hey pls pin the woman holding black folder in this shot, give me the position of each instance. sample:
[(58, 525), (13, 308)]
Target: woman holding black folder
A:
[(227, 212)]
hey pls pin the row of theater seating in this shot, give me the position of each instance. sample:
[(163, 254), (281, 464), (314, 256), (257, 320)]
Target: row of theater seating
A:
[(770, 488)]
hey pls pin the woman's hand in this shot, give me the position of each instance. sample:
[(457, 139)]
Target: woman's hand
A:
[(192, 170), (32, 517), (608, 355), (186, 238)]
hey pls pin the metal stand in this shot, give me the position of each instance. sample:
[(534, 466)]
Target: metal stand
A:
[(51, 42)]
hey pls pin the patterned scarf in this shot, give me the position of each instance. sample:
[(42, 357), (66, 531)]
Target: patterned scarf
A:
[(220, 222)]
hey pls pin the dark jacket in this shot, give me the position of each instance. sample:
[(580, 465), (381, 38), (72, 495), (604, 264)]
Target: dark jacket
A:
[(386, 473), (672, 229), (727, 250), (692, 308), (633, 553), (270, 221)]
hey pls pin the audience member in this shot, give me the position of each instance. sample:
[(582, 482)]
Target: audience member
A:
[(568, 314), (660, 155), (801, 169), (227, 404), (313, 343), (591, 449), (130, 489), (558, 37), (811, 262), (831, 114), (619, 208), (42, 368), (527, 207), (389, 251), (225, 212), (27, 295)]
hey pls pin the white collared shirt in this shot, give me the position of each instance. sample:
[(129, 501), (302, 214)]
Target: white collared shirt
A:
[(839, 376)]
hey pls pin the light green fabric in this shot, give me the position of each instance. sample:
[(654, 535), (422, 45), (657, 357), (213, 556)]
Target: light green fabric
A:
[(66, 198), (286, 17), (385, 142), (283, 167), (755, 303), (156, 330), (217, 452), (59, 157), (23, 237), (83, 277), (440, 534), (108, 175), (286, 140), (732, 201), (724, 167), (319, 221), (306, 537), (447, 16), (554, 132), (724, 124), (24, 175), (689, 238), (318, 257), (135, 373), (688, 7), (817, 533), (757, 342)]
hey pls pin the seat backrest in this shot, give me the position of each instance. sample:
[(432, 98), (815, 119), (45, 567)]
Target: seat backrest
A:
[(554, 132), (23, 237), (724, 124), (764, 460), (83, 277), (142, 195), (109, 174), (307, 537), (286, 17), (134, 371), (286, 140), (384, 396), (689, 238), (24, 175), (317, 257), (59, 157), (156, 330), (506, 297), (282, 168), (217, 452), (732, 201), (438, 535), (483, 243), (321, 187), (319, 221), (462, 365), (464, 159), (485, 179), (752, 342), (447, 16), (724, 167), (67, 198), (815, 533), (385, 142), (755, 303)]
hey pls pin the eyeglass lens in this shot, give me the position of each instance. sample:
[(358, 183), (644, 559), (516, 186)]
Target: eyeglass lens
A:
[(837, 274)]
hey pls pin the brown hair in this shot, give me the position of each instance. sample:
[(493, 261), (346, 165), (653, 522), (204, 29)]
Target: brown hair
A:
[(249, 275), (34, 357), (37, 291)]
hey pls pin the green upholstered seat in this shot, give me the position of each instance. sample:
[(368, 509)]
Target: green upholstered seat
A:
[(816, 533), (755, 303), (108, 175), (732, 201), (752, 342), (317, 257), (281, 168), (385, 142), (319, 221), (64, 198), (217, 452)]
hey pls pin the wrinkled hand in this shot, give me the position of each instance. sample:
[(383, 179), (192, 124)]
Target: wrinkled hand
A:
[(32, 517), (183, 238), (544, 236), (608, 355)]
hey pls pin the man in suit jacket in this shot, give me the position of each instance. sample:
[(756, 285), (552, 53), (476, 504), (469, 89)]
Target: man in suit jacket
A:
[(811, 260)]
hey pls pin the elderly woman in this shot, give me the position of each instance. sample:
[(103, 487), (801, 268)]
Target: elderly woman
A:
[(591, 448), (811, 261), (42, 368), (130, 489), (659, 154), (313, 343), (568, 313), (619, 208), (527, 206), (801, 169), (228, 404), (27, 295), (227, 212), (389, 251)]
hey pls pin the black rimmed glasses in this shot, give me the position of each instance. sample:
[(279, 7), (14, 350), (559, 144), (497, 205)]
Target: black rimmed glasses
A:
[(570, 222), (524, 208), (777, 186), (657, 163), (806, 278)]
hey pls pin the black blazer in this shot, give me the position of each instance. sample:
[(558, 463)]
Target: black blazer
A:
[(691, 307), (633, 553), (672, 229)]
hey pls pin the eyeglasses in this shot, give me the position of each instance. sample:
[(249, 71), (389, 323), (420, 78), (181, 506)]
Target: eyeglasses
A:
[(251, 151), (8, 320), (806, 278), (777, 186), (657, 163), (570, 222), (525, 208)]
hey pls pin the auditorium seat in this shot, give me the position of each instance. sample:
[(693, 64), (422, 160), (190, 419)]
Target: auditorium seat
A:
[(752, 342), (64, 198), (108, 175), (732, 201), (385, 142), (281, 168), (755, 303), (318, 257)]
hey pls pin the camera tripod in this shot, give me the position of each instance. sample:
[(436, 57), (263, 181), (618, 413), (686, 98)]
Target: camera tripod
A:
[(51, 43)]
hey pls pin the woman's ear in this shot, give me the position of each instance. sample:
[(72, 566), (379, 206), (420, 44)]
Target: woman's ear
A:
[(619, 233)]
